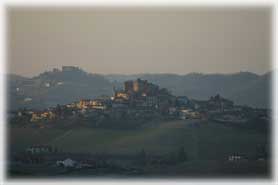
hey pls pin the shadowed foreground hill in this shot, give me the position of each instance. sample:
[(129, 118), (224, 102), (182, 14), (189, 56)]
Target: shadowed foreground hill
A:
[(206, 141)]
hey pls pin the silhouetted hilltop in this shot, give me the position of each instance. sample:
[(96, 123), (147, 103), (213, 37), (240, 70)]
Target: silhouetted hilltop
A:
[(57, 87)]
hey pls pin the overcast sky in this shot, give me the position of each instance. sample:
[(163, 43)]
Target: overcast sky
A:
[(140, 40)]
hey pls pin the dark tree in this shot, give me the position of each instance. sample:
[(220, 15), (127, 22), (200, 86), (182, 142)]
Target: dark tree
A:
[(142, 157)]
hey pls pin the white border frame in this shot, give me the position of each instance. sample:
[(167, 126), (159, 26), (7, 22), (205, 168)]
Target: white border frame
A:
[(134, 3)]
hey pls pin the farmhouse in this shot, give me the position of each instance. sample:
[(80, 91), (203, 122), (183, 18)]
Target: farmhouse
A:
[(39, 149), (67, 163)]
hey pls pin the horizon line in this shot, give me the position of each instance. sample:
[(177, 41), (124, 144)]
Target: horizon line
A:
[(148, 73)]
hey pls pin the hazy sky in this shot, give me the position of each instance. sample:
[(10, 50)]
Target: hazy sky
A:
[(140, 40)]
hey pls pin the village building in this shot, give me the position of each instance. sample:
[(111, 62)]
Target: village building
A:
[(71, 105), (139, 85), (70, 68), (122, 95), (100, 104), (84, 103), (67, 163), (235, 158), (219, 103), (182, 101), (55, 70), (151, 101), (35, 117), (47, 84), (128, 86), (60, 83), (27, 99), (216, 104), (189, 114), (44, 115), (173, 111), (39, 149), (19, 114), (141, 94), (120, 103), (94, 104)]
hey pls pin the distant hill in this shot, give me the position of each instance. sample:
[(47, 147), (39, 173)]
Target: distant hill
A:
[(56, 87), (64, 86)]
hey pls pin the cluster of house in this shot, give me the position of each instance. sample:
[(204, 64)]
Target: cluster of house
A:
[(70, 163), (40, 149), (235, 158), (215, 104), (42, 115), (22, 85), (100, 104), (140, 95)]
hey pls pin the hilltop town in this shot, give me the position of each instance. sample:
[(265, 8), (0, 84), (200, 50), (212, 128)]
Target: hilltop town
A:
[(136, 131), (140, 99)]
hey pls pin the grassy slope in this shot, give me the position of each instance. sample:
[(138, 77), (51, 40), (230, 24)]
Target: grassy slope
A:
[(209, 141)]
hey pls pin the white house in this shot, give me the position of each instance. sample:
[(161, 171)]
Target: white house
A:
[(27, 99), (234, 158), (66, 163)]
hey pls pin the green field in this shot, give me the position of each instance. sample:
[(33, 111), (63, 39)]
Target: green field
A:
[(206, 141)]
